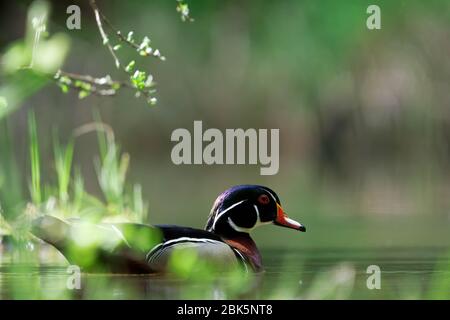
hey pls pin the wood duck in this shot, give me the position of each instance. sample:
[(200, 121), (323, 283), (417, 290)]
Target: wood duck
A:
[(139, 248)]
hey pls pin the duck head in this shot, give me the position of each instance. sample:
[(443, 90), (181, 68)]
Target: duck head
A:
[(242, 208)]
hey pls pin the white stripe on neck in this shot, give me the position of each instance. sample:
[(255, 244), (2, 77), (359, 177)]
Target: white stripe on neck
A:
[(257, 213), (219, 215), (237, 228), (247, 230)]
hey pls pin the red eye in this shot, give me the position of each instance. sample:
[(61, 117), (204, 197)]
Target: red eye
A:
[(263, 199)]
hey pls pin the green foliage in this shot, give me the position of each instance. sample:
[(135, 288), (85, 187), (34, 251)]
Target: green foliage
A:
[(37, 51), (30, 63), (185, 264), (63, 164), (130, 66), (11, 197), (111, 172), (35, 185), (321, 40), (27, 63), (18, 87), (68, 197), (439, 287), (336, 283), (183, 9), (3, 103), (112, 167), (138, 80), (83, 94), (5, 227)]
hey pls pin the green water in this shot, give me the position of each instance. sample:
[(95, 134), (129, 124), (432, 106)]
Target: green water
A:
[(406, 273)]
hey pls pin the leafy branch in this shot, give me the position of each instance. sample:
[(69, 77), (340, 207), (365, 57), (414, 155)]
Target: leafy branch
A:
[(139, 80), (184, 11), (143, 48)]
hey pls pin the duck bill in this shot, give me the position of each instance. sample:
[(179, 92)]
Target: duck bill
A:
[(283, 220)]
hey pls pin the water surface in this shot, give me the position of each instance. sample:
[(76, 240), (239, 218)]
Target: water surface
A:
[(406, 273)]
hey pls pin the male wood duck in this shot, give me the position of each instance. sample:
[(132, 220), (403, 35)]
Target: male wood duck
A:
[(139, 248)]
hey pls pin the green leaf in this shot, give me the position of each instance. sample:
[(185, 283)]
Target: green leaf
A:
[(130, 66), (66, 80), (63, 164), (64, 87), (50, 54), (183, 9), (20, 86), (83, 94), (35, 188), (138, 79), (130, 36)]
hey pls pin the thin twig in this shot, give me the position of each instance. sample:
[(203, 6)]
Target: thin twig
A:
[(96, 86), (106, 86), (118, 33), (102, 32), (100, 16), (96, 91), (92, 80)]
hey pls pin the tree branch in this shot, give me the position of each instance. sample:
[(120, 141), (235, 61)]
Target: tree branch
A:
[(139, 80), (102, 32)]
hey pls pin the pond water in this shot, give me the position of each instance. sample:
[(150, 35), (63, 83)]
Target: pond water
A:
[(406, 273)]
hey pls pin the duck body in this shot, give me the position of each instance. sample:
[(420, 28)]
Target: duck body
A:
[(140, 248), (208, 247)]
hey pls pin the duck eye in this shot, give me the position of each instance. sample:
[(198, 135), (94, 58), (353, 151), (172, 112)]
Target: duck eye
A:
[(263, 199)]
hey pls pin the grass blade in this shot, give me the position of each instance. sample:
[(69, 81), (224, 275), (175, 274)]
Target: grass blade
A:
[(35, 187)]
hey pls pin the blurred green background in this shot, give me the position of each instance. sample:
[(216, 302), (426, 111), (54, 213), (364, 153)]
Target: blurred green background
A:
[(364, 116)]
